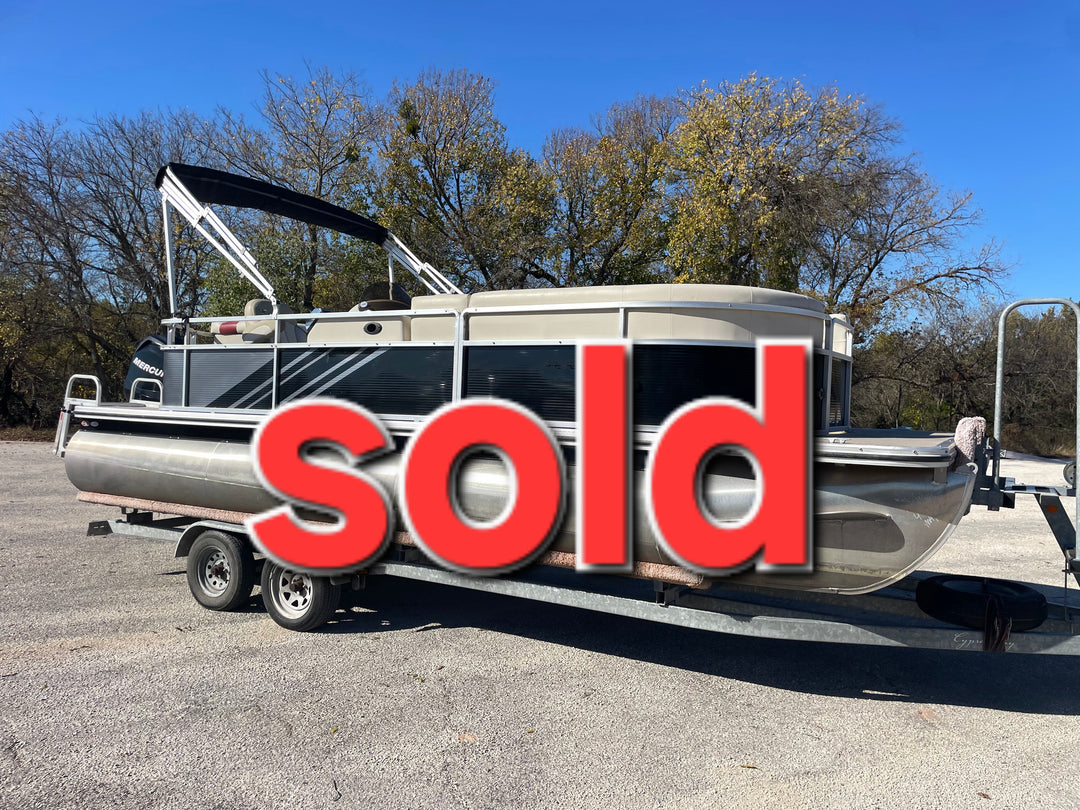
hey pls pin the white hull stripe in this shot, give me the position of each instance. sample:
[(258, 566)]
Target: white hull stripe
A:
[(351, 364), (292, 367)]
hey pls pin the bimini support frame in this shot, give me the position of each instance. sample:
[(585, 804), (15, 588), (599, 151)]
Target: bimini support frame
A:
[(175, 193), (191, 190)]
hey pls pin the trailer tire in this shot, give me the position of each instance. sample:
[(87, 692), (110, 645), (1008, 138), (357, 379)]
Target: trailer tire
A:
[(298, 601), (963, 600), (220, 570)]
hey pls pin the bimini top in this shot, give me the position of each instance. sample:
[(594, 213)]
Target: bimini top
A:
[(191, 190), (213, 187)]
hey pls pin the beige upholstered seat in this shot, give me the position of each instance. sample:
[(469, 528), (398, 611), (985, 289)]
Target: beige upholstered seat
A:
[(387, 327), (653, 312), (260, 331)]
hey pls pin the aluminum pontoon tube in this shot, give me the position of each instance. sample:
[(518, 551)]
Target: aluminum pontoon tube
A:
[(873, 524)]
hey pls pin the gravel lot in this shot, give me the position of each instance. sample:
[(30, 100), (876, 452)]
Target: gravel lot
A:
[(117, 690)]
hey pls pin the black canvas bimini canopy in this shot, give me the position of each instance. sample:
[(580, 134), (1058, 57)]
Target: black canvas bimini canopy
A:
[(192, 190), (213, 187)]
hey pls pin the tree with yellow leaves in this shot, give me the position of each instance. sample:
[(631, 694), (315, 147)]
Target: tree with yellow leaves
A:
[(610, 196), (778, 186), (453, 188)]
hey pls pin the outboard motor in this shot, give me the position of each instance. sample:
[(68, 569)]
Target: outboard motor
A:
[(147, 362)]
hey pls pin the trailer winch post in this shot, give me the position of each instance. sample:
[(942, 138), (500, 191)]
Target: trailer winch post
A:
[(1072, 562)]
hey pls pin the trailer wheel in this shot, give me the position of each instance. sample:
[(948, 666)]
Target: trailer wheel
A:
[(220, 571), (963, 600), (297, 601)]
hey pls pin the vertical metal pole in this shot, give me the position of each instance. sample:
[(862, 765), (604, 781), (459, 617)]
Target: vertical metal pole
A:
[(458, 383), (826, 406), (274, 366), (999, 386), (184, 371), (1076, 448), (169, 264)]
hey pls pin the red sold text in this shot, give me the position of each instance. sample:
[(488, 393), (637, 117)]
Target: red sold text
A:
[(775, 434)]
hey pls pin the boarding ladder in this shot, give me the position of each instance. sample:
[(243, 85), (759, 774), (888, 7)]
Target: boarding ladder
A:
[(995, 492)]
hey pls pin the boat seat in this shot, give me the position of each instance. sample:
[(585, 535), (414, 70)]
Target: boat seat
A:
[(261, 331), (653, 312), (383, 295), (437, 327), (380, 297), (391, 327), (380, 305)]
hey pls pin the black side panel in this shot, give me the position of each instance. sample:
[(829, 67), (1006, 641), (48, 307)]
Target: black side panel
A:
[(402, 380), (230, 378), (408, 380), (837, 404), (668, 377), (665, 377), (541, 378), (173, 362)]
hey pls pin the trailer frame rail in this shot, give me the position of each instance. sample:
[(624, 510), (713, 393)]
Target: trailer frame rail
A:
[(886, 618)]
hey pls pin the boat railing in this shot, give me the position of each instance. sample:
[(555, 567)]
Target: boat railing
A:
[(133, 396), (180, 332), (463, 316), (832, 339), (63, 424), (85, 378)]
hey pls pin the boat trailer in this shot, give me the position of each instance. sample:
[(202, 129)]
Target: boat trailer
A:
[(222, 571), (888, 617)]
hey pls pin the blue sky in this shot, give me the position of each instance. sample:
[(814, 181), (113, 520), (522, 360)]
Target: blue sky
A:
[(989, 92)]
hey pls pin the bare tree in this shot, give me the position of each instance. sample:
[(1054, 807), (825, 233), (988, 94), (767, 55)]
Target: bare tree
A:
[(888, 239), (314, 136), (83, 241)]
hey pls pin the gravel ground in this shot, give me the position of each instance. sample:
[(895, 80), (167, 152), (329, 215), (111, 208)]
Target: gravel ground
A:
[(117, 690)]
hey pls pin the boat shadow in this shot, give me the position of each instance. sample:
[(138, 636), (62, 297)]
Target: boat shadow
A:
[(1019, 683)]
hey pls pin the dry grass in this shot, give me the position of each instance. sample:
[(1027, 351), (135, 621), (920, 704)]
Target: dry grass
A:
[(25, 433), (1045, 442)]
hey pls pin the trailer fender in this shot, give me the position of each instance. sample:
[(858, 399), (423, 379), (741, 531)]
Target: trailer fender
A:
[(183, 545)]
